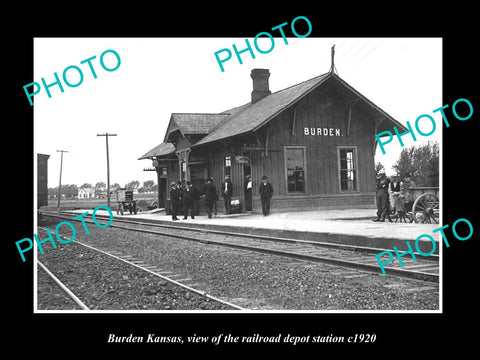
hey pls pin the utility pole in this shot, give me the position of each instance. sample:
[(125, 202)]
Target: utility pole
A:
[(60, 180), (108, 167)]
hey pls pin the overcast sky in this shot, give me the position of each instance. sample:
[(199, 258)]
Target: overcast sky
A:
[(159, 76)]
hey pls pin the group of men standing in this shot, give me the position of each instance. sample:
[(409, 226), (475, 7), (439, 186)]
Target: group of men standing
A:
[(393, 195), (183, 197)]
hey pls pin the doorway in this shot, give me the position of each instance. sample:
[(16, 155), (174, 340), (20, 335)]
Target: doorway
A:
[(247, 183), (162, 192)]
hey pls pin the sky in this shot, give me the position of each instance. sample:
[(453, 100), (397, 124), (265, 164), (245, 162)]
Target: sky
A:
[(160, 76)]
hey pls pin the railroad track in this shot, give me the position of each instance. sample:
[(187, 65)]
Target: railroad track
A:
[(154, 271), (67, 292), (348, 256)]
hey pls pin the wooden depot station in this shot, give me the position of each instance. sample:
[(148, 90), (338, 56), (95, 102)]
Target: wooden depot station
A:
[(315, 141)]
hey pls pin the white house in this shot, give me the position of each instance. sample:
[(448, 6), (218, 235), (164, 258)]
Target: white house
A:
[(86, 193)]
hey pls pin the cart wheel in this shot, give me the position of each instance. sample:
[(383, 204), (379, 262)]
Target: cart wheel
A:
[(425, 209)]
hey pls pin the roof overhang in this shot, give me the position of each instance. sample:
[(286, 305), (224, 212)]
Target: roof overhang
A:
[(159, 151)]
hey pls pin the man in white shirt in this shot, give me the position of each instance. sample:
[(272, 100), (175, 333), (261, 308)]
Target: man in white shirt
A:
[(227, 192)]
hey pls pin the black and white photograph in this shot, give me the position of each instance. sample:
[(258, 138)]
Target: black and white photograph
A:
[(241, 187), (229, 179)]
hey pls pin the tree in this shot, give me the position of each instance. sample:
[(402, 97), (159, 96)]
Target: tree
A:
[(422, 162), (69, 190), (132, 185), (86, 185), (115, 187), (148, 185), (378, 166), (100, 186)]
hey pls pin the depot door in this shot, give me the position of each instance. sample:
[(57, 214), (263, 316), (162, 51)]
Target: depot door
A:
[(247, 185)]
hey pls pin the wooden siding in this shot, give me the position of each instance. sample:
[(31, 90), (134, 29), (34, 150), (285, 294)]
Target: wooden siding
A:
[(327, 107), (321, 109)]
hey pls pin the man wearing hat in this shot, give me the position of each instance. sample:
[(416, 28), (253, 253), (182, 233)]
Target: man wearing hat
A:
[(266, 191), (175, 198), (180, 189), (227, 192), (210, 196), (382, 196), (190, 194)]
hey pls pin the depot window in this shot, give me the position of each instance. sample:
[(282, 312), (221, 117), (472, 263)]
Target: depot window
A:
[(347, 168), (228, 165), (295, 170)]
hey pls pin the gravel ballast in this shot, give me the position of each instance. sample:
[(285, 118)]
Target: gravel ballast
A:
[(250, 280), (104, 283)]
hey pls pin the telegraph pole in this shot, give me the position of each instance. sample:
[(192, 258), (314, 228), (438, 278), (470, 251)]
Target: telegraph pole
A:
[(60, 180), (108, 167)]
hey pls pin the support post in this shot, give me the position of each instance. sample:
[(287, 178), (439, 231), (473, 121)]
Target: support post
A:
[(60, 180), (108, 166)]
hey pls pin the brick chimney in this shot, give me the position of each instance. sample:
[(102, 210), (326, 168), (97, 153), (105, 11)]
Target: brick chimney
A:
[(260, 84)]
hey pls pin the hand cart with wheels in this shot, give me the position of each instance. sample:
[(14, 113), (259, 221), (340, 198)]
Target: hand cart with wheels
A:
[(125, 201)]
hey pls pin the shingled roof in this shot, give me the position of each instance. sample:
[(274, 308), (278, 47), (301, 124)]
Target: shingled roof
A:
[(160, 150), (194, 123), (250, 117)]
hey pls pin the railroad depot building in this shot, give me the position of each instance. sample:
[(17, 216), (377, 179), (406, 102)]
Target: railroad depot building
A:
[(315, 141)]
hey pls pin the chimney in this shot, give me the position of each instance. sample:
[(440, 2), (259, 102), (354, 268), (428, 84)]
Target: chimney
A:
[(260, 84)]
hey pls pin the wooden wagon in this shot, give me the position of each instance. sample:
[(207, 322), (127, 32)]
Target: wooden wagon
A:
[(125, 201), (426, 207)]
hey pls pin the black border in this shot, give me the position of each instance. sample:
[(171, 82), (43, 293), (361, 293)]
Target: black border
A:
[(409, 333)]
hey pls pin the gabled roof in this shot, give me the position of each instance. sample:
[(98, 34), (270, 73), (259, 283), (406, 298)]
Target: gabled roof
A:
[(189, 124), (399, 125), (250, 117), (160, 150)]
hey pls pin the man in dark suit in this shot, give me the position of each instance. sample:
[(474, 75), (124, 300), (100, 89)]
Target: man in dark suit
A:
[(227, 192), (180, 189), (175, 200), (190, 194), (382, 196), (210, 196), (266, 191)]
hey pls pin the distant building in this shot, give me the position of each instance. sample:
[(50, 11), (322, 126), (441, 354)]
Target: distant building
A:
[(86, 193)]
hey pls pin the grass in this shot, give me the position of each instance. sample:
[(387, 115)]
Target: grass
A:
[(72, 204)]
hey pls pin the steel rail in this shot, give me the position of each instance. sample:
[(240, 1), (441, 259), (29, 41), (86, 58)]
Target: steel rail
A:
[(433, 257), (318, 259), (63, 287), (189, 288)]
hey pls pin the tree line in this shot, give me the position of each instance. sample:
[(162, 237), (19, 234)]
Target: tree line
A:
[(422, 162), (100, 188)]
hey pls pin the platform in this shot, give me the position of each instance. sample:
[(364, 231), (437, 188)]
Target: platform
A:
[(350, 226)]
